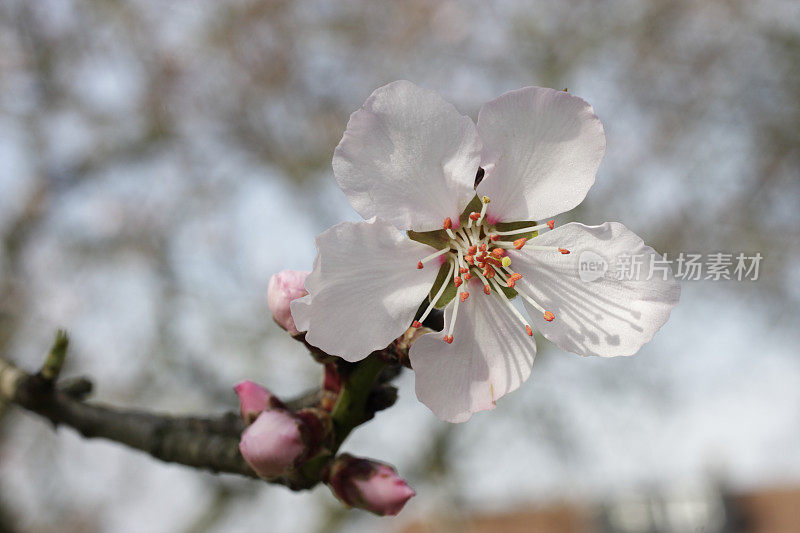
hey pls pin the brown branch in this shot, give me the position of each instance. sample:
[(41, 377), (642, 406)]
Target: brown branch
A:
[(209, 443)]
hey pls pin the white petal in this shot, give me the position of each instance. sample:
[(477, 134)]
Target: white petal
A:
[(541, 151), (301, 307), (301, 312), (364, 290), (408, 156), (490, 356), (596, 314)]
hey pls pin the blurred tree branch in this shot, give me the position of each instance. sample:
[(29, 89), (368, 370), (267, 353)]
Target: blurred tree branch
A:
[(209, 443), (206, 443)]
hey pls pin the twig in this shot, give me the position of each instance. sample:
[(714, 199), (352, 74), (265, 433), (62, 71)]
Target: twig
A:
[(208, 443), (350, 409)]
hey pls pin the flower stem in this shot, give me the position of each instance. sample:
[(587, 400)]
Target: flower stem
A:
[(349, 410)]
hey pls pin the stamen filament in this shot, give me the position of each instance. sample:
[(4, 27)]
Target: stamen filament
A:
[(534, 303), (549, 249), (438, 294), (513, 309), (476, 233), (463, 236), (449, 337), (433, 256), (523, 230)]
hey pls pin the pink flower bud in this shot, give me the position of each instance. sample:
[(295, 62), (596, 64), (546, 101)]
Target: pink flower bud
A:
[(284, 287), (272, 443), (253, 398), (368, 485)]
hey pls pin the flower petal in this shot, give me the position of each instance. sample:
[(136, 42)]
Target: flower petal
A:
[(408, 156), (490, 356), (301, 312), (541, 151), (595, 313), (364, 290), (272, 443), (300, 308)]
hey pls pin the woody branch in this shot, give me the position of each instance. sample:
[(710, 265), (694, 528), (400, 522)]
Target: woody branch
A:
[(202, 442)]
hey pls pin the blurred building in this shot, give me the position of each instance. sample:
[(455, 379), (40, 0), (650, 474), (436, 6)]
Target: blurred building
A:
[(704, 509)]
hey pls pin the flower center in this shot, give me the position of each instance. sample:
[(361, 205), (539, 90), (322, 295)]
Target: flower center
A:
[(478, 249)]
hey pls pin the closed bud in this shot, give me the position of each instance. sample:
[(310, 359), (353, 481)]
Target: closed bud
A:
[(368, 485), (253, 398), (284, 287), (273, 442)]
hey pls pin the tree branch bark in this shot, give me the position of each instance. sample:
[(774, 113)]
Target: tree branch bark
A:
[(208, 443)]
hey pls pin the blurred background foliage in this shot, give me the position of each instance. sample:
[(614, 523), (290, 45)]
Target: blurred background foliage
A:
[(159, 161)]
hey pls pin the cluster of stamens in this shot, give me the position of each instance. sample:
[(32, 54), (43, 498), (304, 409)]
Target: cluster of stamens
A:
[(476, 250)]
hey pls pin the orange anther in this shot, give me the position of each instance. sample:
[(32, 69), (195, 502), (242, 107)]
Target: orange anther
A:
[(469, 259), (528, 330), (510, 283), (488, 272), (551, 223), (448, 339), (463, 270), (472, 250), (549, 316), (516, 276), (493, 261), (498, 252), (482, 247), (467, 276), (464, 296), (416, 324), (487, 289), (563, 251), (519, 243), (474, 215), (458, 281), (447, 223), (494, 237), (419, 264)]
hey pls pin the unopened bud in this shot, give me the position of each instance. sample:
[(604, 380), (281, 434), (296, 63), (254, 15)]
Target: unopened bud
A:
[(272, 443), (253, 398), (284, 287), (368, 485)]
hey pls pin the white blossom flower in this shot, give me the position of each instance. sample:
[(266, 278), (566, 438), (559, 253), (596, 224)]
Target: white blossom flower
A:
[(408, 163)]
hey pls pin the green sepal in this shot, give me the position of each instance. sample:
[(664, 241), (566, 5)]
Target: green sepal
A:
[(449, 292), (508, 291), (475, 205), (508, 226), (437, 238)]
